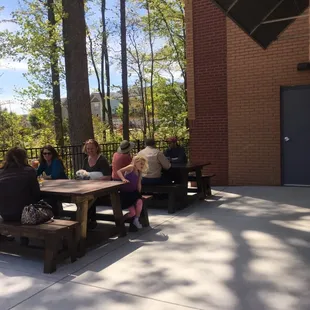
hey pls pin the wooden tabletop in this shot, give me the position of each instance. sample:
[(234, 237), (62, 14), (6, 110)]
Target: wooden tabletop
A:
[(189, 165), (77, 187)]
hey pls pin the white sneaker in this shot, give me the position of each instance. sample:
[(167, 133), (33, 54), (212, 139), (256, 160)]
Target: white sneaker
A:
[(137, 223)]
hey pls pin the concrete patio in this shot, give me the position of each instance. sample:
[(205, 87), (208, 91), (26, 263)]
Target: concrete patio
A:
[(246, 249)]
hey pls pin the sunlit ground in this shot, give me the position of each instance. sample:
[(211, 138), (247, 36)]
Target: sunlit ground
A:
[(247, 248)]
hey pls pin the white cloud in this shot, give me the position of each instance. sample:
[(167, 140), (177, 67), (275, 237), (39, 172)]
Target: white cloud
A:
[(6, 64), (14, 106)]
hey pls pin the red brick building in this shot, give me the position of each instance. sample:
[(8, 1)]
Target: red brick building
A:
[(234, 89)]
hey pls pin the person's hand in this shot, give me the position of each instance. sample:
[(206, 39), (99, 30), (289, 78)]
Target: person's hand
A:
[(125, 181), (35, 163)]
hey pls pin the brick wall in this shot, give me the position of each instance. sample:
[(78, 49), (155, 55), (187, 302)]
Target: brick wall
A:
[(208, 106), (190, 74), (254, 77)]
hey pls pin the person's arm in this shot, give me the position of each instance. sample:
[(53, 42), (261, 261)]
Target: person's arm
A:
[(104, 167), (57, 170), (165, 163), (40, 169), (121, 173), (34, 186)]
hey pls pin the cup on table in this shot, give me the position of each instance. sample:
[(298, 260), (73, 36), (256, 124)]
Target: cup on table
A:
[(40, 180)]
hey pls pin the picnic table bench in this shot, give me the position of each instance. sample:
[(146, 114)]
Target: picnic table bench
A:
[(60, 239), (172, 190), (206, 183), (144, 217)]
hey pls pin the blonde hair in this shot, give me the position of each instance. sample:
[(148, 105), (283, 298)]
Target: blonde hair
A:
[(143, 159)]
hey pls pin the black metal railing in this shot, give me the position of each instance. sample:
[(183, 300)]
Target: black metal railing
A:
[(73, 156)]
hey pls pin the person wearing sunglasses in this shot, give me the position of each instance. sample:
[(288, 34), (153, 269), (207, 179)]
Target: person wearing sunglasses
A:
[(50, 164), (51, 168)]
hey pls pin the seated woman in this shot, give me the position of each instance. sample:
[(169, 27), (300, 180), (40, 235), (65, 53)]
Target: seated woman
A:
[(51, 168), (18, 185), (121, 158), (51, 164), (95, 162)]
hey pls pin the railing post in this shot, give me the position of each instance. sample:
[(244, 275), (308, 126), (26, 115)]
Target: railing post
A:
[(138, 145)]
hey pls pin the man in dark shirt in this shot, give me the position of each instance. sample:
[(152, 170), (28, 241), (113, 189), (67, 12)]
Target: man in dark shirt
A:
[(175, 153)]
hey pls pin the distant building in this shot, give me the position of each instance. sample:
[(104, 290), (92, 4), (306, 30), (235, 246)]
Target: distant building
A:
[(96, 108)]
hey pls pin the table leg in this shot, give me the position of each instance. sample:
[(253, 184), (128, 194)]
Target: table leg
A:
[(118, 213), (199, 183), (182, 195), (51, 242), (81, 217)]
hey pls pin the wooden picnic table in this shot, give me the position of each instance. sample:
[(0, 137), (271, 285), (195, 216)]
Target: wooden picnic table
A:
[(182, 171), (83, 193)]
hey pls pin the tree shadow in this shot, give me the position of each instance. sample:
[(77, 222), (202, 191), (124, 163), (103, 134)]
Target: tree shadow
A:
[(240, 252)]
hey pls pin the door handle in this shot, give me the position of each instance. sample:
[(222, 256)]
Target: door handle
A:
[(286, 139)]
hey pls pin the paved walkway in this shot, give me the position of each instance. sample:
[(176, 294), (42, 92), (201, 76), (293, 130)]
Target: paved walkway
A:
[(248, 249)]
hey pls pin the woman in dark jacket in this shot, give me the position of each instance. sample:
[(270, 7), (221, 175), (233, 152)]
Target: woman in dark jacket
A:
[(95, 162), (18, 185)]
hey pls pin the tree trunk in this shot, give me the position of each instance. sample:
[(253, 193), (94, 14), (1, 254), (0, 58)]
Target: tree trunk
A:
[(74, 35), (55, 76), (104, 109), (107, 64), (101, 92), (152, 66), (124, 71), (139, 72)]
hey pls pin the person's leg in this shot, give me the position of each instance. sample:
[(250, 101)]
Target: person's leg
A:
[(91, 215), (10, 218), (139, 205), (138, 209), (53, 202), (131, 213)]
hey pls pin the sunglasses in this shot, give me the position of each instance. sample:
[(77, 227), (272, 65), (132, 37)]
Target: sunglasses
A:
[(47, 153)]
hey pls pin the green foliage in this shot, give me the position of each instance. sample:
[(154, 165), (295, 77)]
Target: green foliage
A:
[(13, 130), (170, 109), (41, 119), (160, 26), (164, 26), (32, 43)]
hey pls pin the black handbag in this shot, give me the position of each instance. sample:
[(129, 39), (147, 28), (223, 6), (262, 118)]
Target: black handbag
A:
[(37, 213)]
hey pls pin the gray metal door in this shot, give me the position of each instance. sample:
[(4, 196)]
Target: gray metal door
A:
[(295, 106)]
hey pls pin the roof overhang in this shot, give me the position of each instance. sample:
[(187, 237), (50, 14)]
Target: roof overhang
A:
[(263, 20)]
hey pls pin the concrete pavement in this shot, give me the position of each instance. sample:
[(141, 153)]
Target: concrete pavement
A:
[(247, 248)]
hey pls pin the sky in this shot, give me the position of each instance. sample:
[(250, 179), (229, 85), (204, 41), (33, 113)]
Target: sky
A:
[(11, 73)]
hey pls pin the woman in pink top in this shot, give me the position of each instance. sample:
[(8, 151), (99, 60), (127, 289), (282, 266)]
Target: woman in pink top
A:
[(121, 158)]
